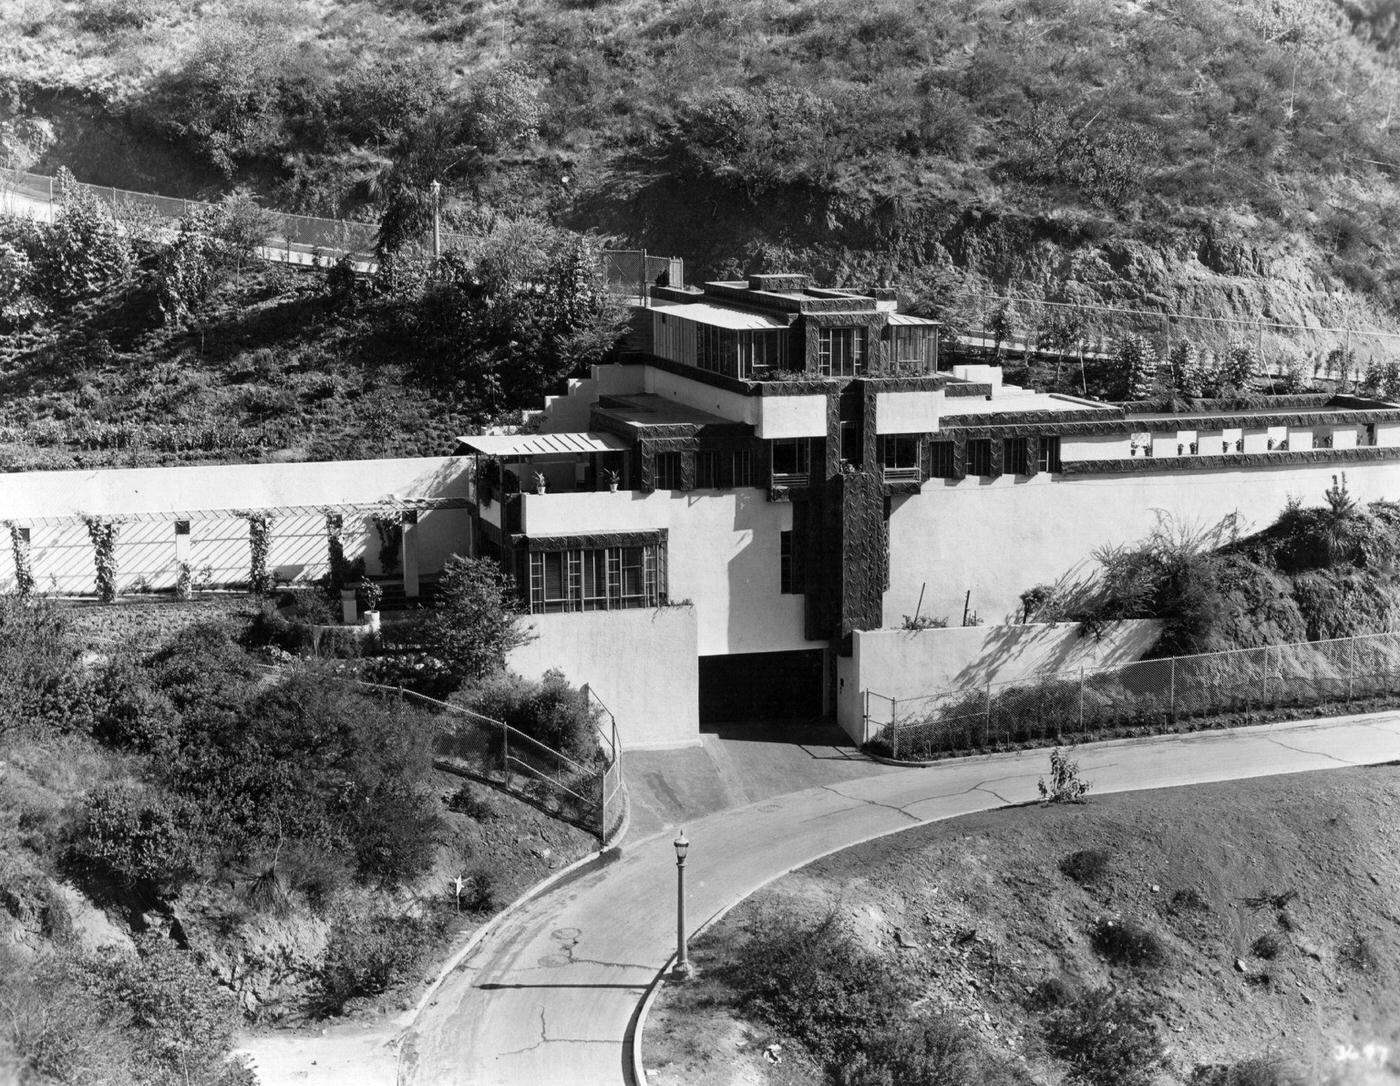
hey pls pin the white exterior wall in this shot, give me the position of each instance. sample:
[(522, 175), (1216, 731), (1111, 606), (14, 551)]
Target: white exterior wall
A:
[(1344, 437), (906, 412), (1094, 447), (722, 554), (791, 416), (999, 537), (1388, 434), (908, 663), (569, 414), (702, 397), (641, 663), (62, 557)]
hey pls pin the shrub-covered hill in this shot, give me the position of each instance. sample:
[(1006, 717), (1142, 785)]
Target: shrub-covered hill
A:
[(1234, 158), (1316, 573)]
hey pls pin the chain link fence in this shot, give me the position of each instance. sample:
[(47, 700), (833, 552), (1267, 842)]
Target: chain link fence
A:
[(1145, 696), (308, 240)]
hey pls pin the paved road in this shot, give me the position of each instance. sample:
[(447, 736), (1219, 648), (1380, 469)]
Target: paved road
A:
[(549, 998)]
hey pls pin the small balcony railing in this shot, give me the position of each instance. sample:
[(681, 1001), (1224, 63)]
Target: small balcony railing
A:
[(901, 475), (791, 479)]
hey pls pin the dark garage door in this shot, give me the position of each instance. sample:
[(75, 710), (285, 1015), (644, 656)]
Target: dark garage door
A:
[(761, 686)]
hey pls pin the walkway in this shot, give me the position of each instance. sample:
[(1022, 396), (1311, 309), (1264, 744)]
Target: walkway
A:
[(550, 997)]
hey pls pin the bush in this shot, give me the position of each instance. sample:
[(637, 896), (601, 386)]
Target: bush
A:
[(1086, 866), (1124, 942), (137, 838), (818, 985), (929, 1051), (365, 957), (549, 710), (1107, 1038), (474, 623), (1065, 785), (1356, 954), (467, 800), (480, 890), (1256, 1071), (1268, 946)]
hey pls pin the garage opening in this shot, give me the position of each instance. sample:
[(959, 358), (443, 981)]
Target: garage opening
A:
[(761, 686)]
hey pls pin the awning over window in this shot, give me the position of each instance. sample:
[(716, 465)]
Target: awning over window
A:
[(509, 446), (908, 320)]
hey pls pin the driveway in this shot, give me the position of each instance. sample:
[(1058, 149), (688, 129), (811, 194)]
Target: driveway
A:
[(551, 996)]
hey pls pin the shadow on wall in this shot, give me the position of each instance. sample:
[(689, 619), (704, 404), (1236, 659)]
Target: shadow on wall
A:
[(1007, 652)]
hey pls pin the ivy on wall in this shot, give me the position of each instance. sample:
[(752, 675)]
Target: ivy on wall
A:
[(259, 542), (390, 529), (24, 570), (335, 550), (103, 533)]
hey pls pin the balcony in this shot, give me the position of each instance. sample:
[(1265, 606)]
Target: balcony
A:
[(791, 480), (901, 475)]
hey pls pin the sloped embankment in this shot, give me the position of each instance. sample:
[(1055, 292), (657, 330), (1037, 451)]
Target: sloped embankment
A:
[(1272, 903)]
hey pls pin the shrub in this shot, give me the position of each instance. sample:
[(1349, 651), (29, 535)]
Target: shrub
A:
[(1268, 946), (83, 254), (137, 838), (1125, 942), (366, 957), (37, 665), (469, 801), (1270, 1070), (1188, 900), (816, 984), (1050, 993), (1086, 866), (1107, 1038), (474, 623), (1065, 785), (1356, 954), (929, 1051), (549, 710), (480, 890)]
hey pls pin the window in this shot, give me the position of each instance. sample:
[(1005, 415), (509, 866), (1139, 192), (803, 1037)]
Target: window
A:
[(182, 527), (840, 351), (742, 463), (788, 581), (716, 349), (1015, 456), (899, 456), (851, 450), (595, 578), (912, 347), (792, 461), (668, 471), (979, 456), (1048, 459), (940, 457), (707, 474), (762, 352)]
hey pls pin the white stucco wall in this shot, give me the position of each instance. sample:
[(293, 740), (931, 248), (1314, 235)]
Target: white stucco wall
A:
[(569, 414), (907, 412), (723, 554), (791, 416), (61, 555), (702, 397), (642, 664), (909, 663), (999, 537)]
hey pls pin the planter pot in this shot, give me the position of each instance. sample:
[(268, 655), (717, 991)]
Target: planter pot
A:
[(372, 621), (349, 608), (612, 488)]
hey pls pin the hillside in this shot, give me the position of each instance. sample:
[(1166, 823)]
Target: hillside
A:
[(1265, 937), (1227, 158)]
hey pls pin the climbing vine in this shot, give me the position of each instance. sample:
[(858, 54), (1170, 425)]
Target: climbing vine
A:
[(103, 533), (259, 541), (335, 549), (390, 529), (24, 571)]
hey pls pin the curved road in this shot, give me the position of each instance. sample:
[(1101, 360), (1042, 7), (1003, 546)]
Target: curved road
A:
[(549, 999)]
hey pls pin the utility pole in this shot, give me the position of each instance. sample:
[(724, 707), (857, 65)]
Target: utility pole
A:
[(437, 219)]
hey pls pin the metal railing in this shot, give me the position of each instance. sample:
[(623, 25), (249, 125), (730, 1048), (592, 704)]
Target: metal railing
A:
[(587, 795), (1144, 696), (311, 241)]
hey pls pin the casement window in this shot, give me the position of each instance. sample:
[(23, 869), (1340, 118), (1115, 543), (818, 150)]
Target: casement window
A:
[(707, 470), (760, 353), (792, 461), (596, 578), (912, 347), (741, 464), (723, 468), (940, 459), (789, 583), (716, 349), (1015, 456), (668, 471), (840, 352), (899, 457), (1048, 458), (979, 456)]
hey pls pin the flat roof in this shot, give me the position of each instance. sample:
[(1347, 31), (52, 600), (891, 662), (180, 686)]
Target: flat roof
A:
[(738, 320), (905, 319), (649, 409), (540, 444)]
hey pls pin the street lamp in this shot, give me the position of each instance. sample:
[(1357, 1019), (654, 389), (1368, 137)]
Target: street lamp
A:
[(682, 970)]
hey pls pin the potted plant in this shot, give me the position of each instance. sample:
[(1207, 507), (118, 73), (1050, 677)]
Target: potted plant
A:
[(539, 482), (613, 479), (371, 593)]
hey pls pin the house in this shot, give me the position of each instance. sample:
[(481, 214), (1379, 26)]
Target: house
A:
[(700, 529)]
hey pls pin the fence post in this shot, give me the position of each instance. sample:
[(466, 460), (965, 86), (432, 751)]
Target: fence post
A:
[(1171, 695), (1081, 704), (1351, 666), (894, 728), (505, 755)]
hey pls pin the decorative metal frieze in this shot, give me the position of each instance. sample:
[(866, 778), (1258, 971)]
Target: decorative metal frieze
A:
[(1157, 464)]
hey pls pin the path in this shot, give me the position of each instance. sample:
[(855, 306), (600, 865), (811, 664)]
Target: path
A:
[(550, 997)]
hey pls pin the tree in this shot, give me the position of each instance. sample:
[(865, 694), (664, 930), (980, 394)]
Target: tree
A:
[(82, 254), (1137, 365), (1239, 366), (139, 838), (212, 240), (476, 620)]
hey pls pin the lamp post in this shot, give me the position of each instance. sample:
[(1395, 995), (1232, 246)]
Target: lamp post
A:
[(682, 969)]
